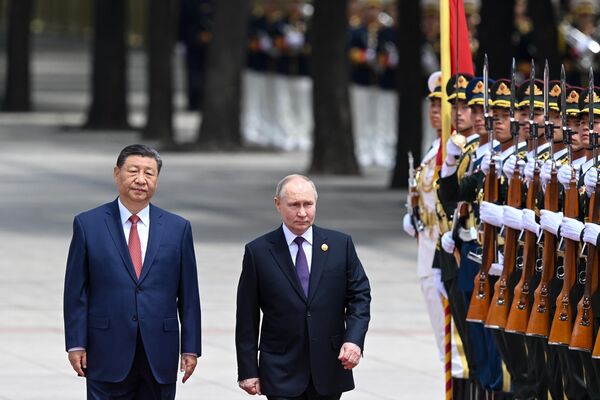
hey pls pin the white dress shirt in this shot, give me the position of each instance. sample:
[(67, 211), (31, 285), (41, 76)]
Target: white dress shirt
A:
[(143, 225), (306, 245)]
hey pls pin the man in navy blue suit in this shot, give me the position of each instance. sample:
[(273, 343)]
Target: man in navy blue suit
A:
[(314, 297), (131, 273)]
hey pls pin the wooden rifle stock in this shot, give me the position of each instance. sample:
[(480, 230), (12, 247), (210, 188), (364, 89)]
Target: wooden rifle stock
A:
[(562, 324), (518, 316), (583, 329), (480, 299), (500, 304), (539, 319)]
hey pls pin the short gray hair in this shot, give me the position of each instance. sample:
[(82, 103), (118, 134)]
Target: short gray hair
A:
[(281, 185)]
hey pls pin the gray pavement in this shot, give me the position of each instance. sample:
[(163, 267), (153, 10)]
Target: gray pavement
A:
[(48, 174)]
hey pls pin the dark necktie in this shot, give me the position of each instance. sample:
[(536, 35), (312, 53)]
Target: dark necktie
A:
[(302, 265), (135, 247)]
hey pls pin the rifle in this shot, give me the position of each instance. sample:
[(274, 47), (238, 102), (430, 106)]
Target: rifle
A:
[(562, 325), (519, 314), (480, 299), (412, 202), (500, 304), (539, 320), (583, 329)]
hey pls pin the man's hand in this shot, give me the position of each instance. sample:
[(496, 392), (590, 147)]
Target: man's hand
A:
[(349, 355), (251, 386), (188, 365), (78, 360)]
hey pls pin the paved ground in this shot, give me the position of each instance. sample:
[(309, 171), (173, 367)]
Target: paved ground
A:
[(48, 174)]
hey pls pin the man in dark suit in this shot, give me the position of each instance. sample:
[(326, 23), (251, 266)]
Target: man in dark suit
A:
[(131, 272), (315, 301)]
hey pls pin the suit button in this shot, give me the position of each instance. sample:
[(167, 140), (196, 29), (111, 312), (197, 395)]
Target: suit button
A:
[(134, 318), (308, 314), (138, 289)]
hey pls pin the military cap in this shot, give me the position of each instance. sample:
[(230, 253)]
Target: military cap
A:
[(451, 86), (475, 90), (554, 92), (500, 94), (583, 7), (434, 83), (538, 94), (572, 100), (584, 101)]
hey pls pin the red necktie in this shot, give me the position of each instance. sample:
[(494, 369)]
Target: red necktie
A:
[(135, 247)]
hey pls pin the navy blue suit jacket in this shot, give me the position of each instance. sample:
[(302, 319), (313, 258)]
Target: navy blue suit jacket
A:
[(300, 337), (105, 304)]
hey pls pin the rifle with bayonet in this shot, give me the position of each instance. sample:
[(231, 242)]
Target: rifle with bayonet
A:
[(583, 328), (562, 324), (539, 319), (500, 304), (412, 202), (480, 299), (518, 316)]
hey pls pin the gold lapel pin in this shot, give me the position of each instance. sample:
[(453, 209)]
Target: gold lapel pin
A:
[(324, 247)]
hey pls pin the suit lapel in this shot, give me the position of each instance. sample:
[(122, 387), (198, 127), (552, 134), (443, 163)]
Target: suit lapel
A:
[(154, 239), (319, 258), (281, 254), (113, 223)]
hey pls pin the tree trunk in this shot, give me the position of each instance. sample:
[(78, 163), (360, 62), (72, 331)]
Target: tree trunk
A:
[(108, 110), (160, 39), (410, 89), (220, 128), (495, 33), (18, 75), (333, 142), (545, 35)]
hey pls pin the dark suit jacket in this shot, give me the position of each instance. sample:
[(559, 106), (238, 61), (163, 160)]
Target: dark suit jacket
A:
[(105, 304), (300, 338)]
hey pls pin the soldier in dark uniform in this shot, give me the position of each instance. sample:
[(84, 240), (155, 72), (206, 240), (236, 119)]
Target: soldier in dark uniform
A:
[(260, 38), (195, 27), (363, 46), (590, 375), (460, 182), (290, 34), (387, 56)]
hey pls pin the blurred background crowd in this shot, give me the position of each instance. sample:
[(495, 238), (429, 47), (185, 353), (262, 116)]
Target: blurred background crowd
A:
[(276, 94)]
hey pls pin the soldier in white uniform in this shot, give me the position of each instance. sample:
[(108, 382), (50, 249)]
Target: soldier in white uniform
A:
[(432, 286)]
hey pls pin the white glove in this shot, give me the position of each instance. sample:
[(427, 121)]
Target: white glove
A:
[(590, 179), (529, 222), (529, 168), (408, 226), (546, 172), (550, 221), (513, 218), (564, 175), (509, 166), (294, 39), (590, 233), (571, 229), (265, 43), (496, 269), (439, 285), (453, 152), (491, 213), (448, 243), (487, 160)]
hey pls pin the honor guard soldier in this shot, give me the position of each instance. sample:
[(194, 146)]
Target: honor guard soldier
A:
[(582, 291), (423, 223), (461, 180), (363, 46), (511, 347)]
